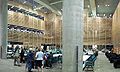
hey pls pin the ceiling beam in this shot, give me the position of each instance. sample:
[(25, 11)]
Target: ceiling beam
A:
[(38, 7), (55, 2), (45, 3), (93, 7)]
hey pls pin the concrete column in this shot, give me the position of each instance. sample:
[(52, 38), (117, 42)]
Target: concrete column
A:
[(3, 27), (72, 35)]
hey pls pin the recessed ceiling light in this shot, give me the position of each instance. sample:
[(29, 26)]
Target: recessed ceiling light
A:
[(88, 6), (106, 5), (104, 14), (91, 14), (98, 14), (110, 14), (98, 5)]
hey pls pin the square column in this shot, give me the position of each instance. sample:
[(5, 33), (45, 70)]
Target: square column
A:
[(3, 27), (72, 35)]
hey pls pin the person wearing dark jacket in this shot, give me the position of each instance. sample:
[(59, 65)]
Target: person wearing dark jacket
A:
[(22, 55), (30, 58), (50, 58)]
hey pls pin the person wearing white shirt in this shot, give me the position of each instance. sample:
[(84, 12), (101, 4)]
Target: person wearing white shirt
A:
[(39, 58)]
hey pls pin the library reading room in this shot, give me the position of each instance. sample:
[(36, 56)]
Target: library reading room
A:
[(59, 36)]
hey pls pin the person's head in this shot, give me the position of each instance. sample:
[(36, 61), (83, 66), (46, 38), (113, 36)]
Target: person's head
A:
[(30, 50), (39, 49), (50, 52)]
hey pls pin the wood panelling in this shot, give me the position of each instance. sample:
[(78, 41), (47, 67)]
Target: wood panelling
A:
[(20, 19), (97, 30)]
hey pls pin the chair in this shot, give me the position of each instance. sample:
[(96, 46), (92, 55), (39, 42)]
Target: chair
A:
[(90, 63)]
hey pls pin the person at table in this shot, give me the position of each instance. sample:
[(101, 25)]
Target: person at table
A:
[(39, 59), (50, 59)]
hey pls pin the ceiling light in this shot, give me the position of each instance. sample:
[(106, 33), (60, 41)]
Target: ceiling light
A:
[(104, 14), (110, 14), (106, 5), (91, 14), (98, 14), (98, 6), (88, 6), (24, 2)]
